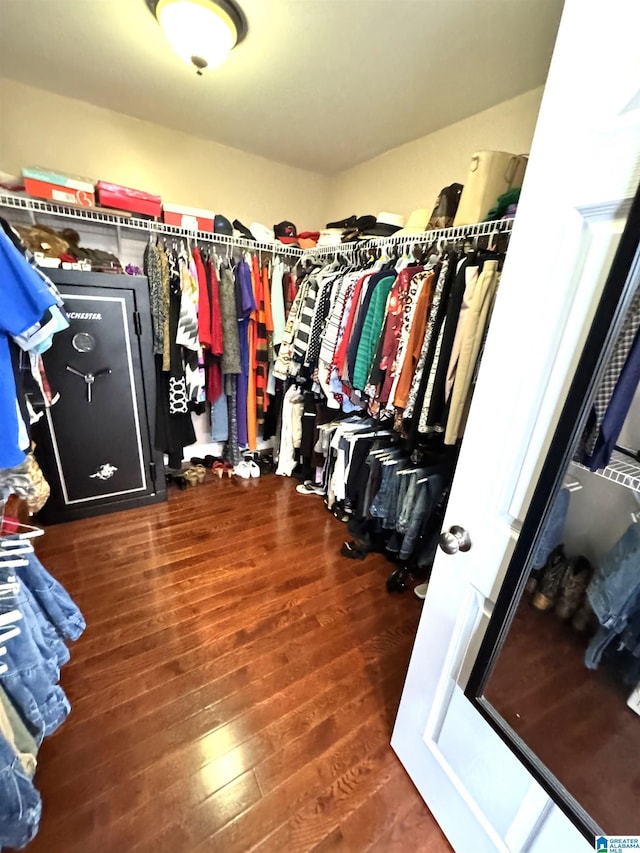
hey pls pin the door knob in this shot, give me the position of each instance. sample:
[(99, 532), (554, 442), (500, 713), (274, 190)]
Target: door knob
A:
[(455, 539)]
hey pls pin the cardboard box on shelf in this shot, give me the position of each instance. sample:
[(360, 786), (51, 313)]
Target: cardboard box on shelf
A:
[(125, 198), (192, 218), (54, 186)]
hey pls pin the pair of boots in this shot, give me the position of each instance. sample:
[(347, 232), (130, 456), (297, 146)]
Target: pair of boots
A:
[(562, 585)]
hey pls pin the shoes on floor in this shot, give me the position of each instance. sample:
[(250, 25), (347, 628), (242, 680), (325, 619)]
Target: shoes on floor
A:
[(398, 581), (265, 463), (550, 580), (421, 590), (339, 512), (176, 476), (206, 462), (191, 476), (309, 488), (254, 469), (197, 471), (222, 468), (574, 587), (532, 583), (242, 470), (354, 550), (584, 619)]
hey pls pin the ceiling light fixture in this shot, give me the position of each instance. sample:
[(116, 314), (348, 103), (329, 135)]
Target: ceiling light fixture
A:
[(201, 32)]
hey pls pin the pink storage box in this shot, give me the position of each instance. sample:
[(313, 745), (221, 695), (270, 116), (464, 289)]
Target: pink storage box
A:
[(192, 218), (124, 198)]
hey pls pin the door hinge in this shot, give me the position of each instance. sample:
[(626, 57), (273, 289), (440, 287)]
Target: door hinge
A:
[(137, 323), (152, 472)]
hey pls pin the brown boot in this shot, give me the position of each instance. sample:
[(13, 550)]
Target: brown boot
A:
[(573, 588), (585, 620), (550, 580)]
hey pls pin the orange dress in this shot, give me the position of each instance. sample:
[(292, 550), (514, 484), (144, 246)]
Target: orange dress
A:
[(414, 344)]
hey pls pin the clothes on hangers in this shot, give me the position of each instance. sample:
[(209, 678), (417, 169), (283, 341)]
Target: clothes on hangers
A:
[(32, 313), (215, 319), (614, 595), (37, 616), (387, 341), (615, 394), (369, 481)]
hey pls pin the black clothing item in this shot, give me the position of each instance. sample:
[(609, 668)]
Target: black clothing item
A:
[(347, 222), (173, 432), (437, 325), (376, 374), (319, 319), (308, 434), (272, 415), (221, 225), (359, 472), (243, 230), (446, 207), (437, 404)]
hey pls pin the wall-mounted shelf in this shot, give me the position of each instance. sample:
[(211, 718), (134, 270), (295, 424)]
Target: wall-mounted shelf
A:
[(102, 216), (491, 229), (621, 470)]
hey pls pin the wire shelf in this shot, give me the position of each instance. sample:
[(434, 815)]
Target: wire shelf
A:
[(152, 226), (621, 470), (146, 226), (479, 229)]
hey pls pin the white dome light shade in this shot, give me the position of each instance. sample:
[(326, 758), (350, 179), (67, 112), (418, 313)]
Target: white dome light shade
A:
[(199, 31)]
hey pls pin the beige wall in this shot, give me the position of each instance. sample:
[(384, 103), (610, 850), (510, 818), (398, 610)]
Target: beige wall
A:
[(412, 175), (40, 128)]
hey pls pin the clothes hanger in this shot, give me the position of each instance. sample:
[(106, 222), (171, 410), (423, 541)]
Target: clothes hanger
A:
[(11, 530), (10, 563), (11, 586), (9, 618), (415, 470), (571, 485), (14, 548), (21, 531)]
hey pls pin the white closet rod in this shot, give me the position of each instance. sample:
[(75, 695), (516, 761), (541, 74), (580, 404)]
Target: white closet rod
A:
[(151, 226)]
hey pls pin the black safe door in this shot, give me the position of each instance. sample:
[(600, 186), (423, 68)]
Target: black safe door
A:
[(97, 451)]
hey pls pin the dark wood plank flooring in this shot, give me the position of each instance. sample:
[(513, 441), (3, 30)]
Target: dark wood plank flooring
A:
[(236, 686), (576, 720)]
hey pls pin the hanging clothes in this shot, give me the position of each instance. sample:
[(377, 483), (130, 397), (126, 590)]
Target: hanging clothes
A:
[(245, 306), (152, 262), (614, 395), (174, 429), (479, 312), (32, 313), (264, 332), (38, 616)]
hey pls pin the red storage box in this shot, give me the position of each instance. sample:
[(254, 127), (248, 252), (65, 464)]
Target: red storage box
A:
[(192, 218), (124, 198), (53, 186)]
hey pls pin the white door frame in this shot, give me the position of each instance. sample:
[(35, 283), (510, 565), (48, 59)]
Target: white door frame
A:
[(583, 171)]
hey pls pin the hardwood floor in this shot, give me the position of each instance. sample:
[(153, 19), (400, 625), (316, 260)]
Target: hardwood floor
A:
[(236, 686), (574, 719)]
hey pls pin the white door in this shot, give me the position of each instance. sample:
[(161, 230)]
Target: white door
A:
[(583, 171)]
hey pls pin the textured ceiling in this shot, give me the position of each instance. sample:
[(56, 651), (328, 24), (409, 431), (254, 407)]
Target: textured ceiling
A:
[(320, 84)]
